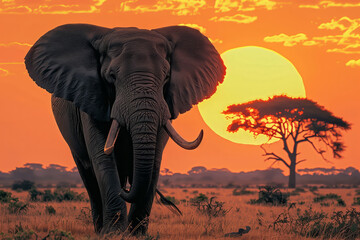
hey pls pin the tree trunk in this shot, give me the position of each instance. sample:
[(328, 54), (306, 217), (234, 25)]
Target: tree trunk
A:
[(292, 175)]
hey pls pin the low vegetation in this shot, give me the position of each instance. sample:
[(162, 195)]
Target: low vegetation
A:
[(270, 195), (317, 224), (322, 199), (242, 191), (204, 215), (24, 185), (58, 195)]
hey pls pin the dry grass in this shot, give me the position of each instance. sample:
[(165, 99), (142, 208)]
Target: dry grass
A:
[(73, 217)]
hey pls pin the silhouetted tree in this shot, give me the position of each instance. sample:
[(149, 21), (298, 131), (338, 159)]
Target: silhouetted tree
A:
[(293, 121)]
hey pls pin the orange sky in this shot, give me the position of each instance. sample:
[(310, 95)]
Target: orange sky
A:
[(321, 38)]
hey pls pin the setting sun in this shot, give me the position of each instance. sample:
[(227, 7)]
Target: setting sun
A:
[(252, 73)]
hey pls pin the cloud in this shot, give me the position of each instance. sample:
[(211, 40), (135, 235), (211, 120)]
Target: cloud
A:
[(4, 72), (343, 24), (11, 63), (238, 18), (193, 25), (310, 43), (288, 41), (346, 39), (243, 5), (15, 44), (349, 49), (177, 7), (329, 4), (353, 63), (309, 6), (13, 51), (49, 7)]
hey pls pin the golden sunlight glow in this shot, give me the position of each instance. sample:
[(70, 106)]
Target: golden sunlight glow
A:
[(252, 73)]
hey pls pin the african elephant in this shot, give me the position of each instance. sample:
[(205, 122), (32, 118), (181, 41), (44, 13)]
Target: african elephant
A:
[(114, 95)]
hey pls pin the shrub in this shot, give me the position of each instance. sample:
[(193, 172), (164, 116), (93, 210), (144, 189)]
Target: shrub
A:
[(297, 191), (6, 197), (322, 198), (65, 194), (172, 199), (34, 194), (50, 210), (356, 201), (270, 195), (242, 191), (16, 207), (198, 199), (23, 185), (59, 195), (58, 235), (210, 207), (85, 215), (47, 196), (314, 224), (313, 189), (20, 233), (330, 196)]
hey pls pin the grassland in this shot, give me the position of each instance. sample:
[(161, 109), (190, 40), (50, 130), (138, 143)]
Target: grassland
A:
[(74, 217)]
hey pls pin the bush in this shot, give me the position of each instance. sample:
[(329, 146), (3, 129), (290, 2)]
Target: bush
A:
[(270, 195), (85, 216), (242, 191), (20, 233), (34, 194), (198, 199), (50, 210), (6, 197), (58, 235), (356, 201), (65, 194), (330, 196), (313, 189), (47, 196), (314, 224), (208, 207), (23, 185), (297, 191), (59, 195), (17, 207), (172, 199)]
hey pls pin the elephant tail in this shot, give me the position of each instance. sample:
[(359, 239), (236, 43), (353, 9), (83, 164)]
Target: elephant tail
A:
[(164, 201)]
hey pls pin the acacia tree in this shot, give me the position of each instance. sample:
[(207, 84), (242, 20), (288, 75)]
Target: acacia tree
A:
[(293, 121)]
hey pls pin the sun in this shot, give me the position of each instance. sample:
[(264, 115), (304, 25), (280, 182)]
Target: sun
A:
[(252, 73)]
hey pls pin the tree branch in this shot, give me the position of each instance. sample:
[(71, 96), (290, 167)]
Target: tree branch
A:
[(300, 161), (273, 156), (319, 151)]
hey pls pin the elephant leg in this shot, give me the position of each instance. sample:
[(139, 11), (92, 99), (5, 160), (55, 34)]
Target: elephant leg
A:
[(140, 211), (105, 169), (67, 117), (92, 188)]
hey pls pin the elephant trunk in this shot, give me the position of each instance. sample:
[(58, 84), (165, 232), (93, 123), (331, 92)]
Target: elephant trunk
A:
[(144, 134)]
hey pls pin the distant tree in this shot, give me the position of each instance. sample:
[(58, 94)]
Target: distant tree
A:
[(23, 185), (293, 121)]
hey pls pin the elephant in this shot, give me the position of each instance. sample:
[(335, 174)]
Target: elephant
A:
[(115, 93)]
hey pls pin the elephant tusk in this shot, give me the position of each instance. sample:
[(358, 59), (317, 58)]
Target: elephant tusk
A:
[(179, 140), (111, 138)]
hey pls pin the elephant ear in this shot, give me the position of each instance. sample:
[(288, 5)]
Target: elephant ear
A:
[(196, 68), (66, 64)]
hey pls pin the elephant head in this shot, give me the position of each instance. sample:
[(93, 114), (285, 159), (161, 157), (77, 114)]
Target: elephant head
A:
[(138, 79)]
